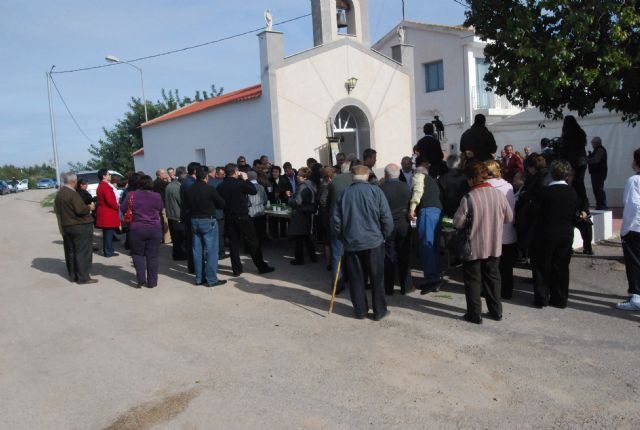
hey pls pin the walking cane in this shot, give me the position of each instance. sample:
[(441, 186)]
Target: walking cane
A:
[(335, 286)]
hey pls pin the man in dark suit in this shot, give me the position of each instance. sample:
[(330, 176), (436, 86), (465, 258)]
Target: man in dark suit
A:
[(597, 161), (290, 175), (429, 148), (407, 171), (555, 216), (239, 228), (185, 214), (397, 248), (214, 181), (76, 225)]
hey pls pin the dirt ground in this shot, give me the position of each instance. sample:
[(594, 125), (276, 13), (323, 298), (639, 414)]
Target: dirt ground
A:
[(261, 353)]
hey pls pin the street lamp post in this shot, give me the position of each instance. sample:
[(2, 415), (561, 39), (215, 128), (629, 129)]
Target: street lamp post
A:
[(114, 59), (52, 121)]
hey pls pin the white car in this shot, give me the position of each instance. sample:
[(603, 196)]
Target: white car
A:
[(92, 179), (22, 185)]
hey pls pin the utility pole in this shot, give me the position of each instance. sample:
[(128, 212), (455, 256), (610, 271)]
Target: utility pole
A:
[(52, 120), (403, 11)]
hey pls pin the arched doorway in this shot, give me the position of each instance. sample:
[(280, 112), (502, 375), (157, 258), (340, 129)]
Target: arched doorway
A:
[(352, 127)]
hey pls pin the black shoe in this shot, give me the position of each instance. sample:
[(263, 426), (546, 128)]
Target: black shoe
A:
[(215, 284), (266, 269), (381, 317), (236, 274), (506, 296), (494, 317), (430, 287), (223, 256), (115, 254), (139, 284), (360, 317), (471, 319), (88, 281), (151, 286), (297, 262), (587, 251)]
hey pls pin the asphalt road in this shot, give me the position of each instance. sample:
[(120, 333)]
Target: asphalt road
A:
[(260, 352)]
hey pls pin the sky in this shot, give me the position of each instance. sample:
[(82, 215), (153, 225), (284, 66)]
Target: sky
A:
[(70, 34)]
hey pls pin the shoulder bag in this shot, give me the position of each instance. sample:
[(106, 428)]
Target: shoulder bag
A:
[(461, 241), (127, 219)]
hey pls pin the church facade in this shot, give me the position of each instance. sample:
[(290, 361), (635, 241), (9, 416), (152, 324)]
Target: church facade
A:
[(339, 95)]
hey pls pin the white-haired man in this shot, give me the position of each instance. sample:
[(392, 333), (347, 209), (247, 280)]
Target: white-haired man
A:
[(76, 226), (362, 220)]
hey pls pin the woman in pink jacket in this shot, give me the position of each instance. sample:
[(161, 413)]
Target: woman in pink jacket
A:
[(490, 211)]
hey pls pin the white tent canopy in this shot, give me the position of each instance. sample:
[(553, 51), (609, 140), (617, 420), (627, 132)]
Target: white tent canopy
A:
[(619, 138)]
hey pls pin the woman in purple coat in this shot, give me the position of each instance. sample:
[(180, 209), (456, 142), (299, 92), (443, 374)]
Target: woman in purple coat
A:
[(145, 231)]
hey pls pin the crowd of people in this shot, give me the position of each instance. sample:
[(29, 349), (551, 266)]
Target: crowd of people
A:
[(499, 210)]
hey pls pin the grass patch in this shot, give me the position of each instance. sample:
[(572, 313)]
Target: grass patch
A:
[(48, 201)]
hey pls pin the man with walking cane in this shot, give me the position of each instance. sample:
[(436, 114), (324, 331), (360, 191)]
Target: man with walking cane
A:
[(362, 220)]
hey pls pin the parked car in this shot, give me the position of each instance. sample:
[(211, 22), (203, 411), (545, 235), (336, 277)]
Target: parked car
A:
[(4, 188), (91, 177), (21, 185), (46, 183)]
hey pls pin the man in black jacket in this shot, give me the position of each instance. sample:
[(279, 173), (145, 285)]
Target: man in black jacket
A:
[(234, 190), (202, 201), (398, 247), (478, 140), (429, 148), (597, 161)]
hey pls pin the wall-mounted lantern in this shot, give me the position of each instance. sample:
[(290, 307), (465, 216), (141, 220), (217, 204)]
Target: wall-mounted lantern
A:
[(350, 84)]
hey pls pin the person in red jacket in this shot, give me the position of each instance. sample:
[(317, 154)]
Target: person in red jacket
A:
[(510, 164), (107, 212)]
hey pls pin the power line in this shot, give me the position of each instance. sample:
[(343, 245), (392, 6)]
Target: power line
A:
[(466, 6), (69, 110), (234, 36)]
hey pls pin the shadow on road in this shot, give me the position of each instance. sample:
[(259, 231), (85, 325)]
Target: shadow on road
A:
[(296, 296), (57, 266)]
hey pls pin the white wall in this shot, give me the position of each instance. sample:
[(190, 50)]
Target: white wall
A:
[(225, 132), (618, 138), (312, 87), (458, 51)]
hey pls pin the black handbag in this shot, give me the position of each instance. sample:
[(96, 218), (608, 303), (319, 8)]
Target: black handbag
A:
[(461, 240)]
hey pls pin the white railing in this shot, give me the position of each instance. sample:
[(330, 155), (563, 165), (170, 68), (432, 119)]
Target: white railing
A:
[(483, 99)]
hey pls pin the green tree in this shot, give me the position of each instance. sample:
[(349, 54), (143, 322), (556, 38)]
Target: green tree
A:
[(33, 173), (556, 54), (114, 151)]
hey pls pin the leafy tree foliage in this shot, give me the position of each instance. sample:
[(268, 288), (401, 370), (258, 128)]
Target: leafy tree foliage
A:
[(33, 173), (114, 151), (556, 54)]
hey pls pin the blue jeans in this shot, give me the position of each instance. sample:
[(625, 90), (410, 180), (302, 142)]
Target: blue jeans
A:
[(429, 242), (205, 235), (107, 241), (337, 249)]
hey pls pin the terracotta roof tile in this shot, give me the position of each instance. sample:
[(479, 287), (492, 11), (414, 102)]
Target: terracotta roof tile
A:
[(236, 96)]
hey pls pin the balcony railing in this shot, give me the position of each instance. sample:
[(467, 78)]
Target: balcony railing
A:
[(483, 99)]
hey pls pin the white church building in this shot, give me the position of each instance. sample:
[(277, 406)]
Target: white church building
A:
[(339, 95)]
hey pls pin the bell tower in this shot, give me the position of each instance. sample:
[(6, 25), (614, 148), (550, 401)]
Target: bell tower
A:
[(334, 20)]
